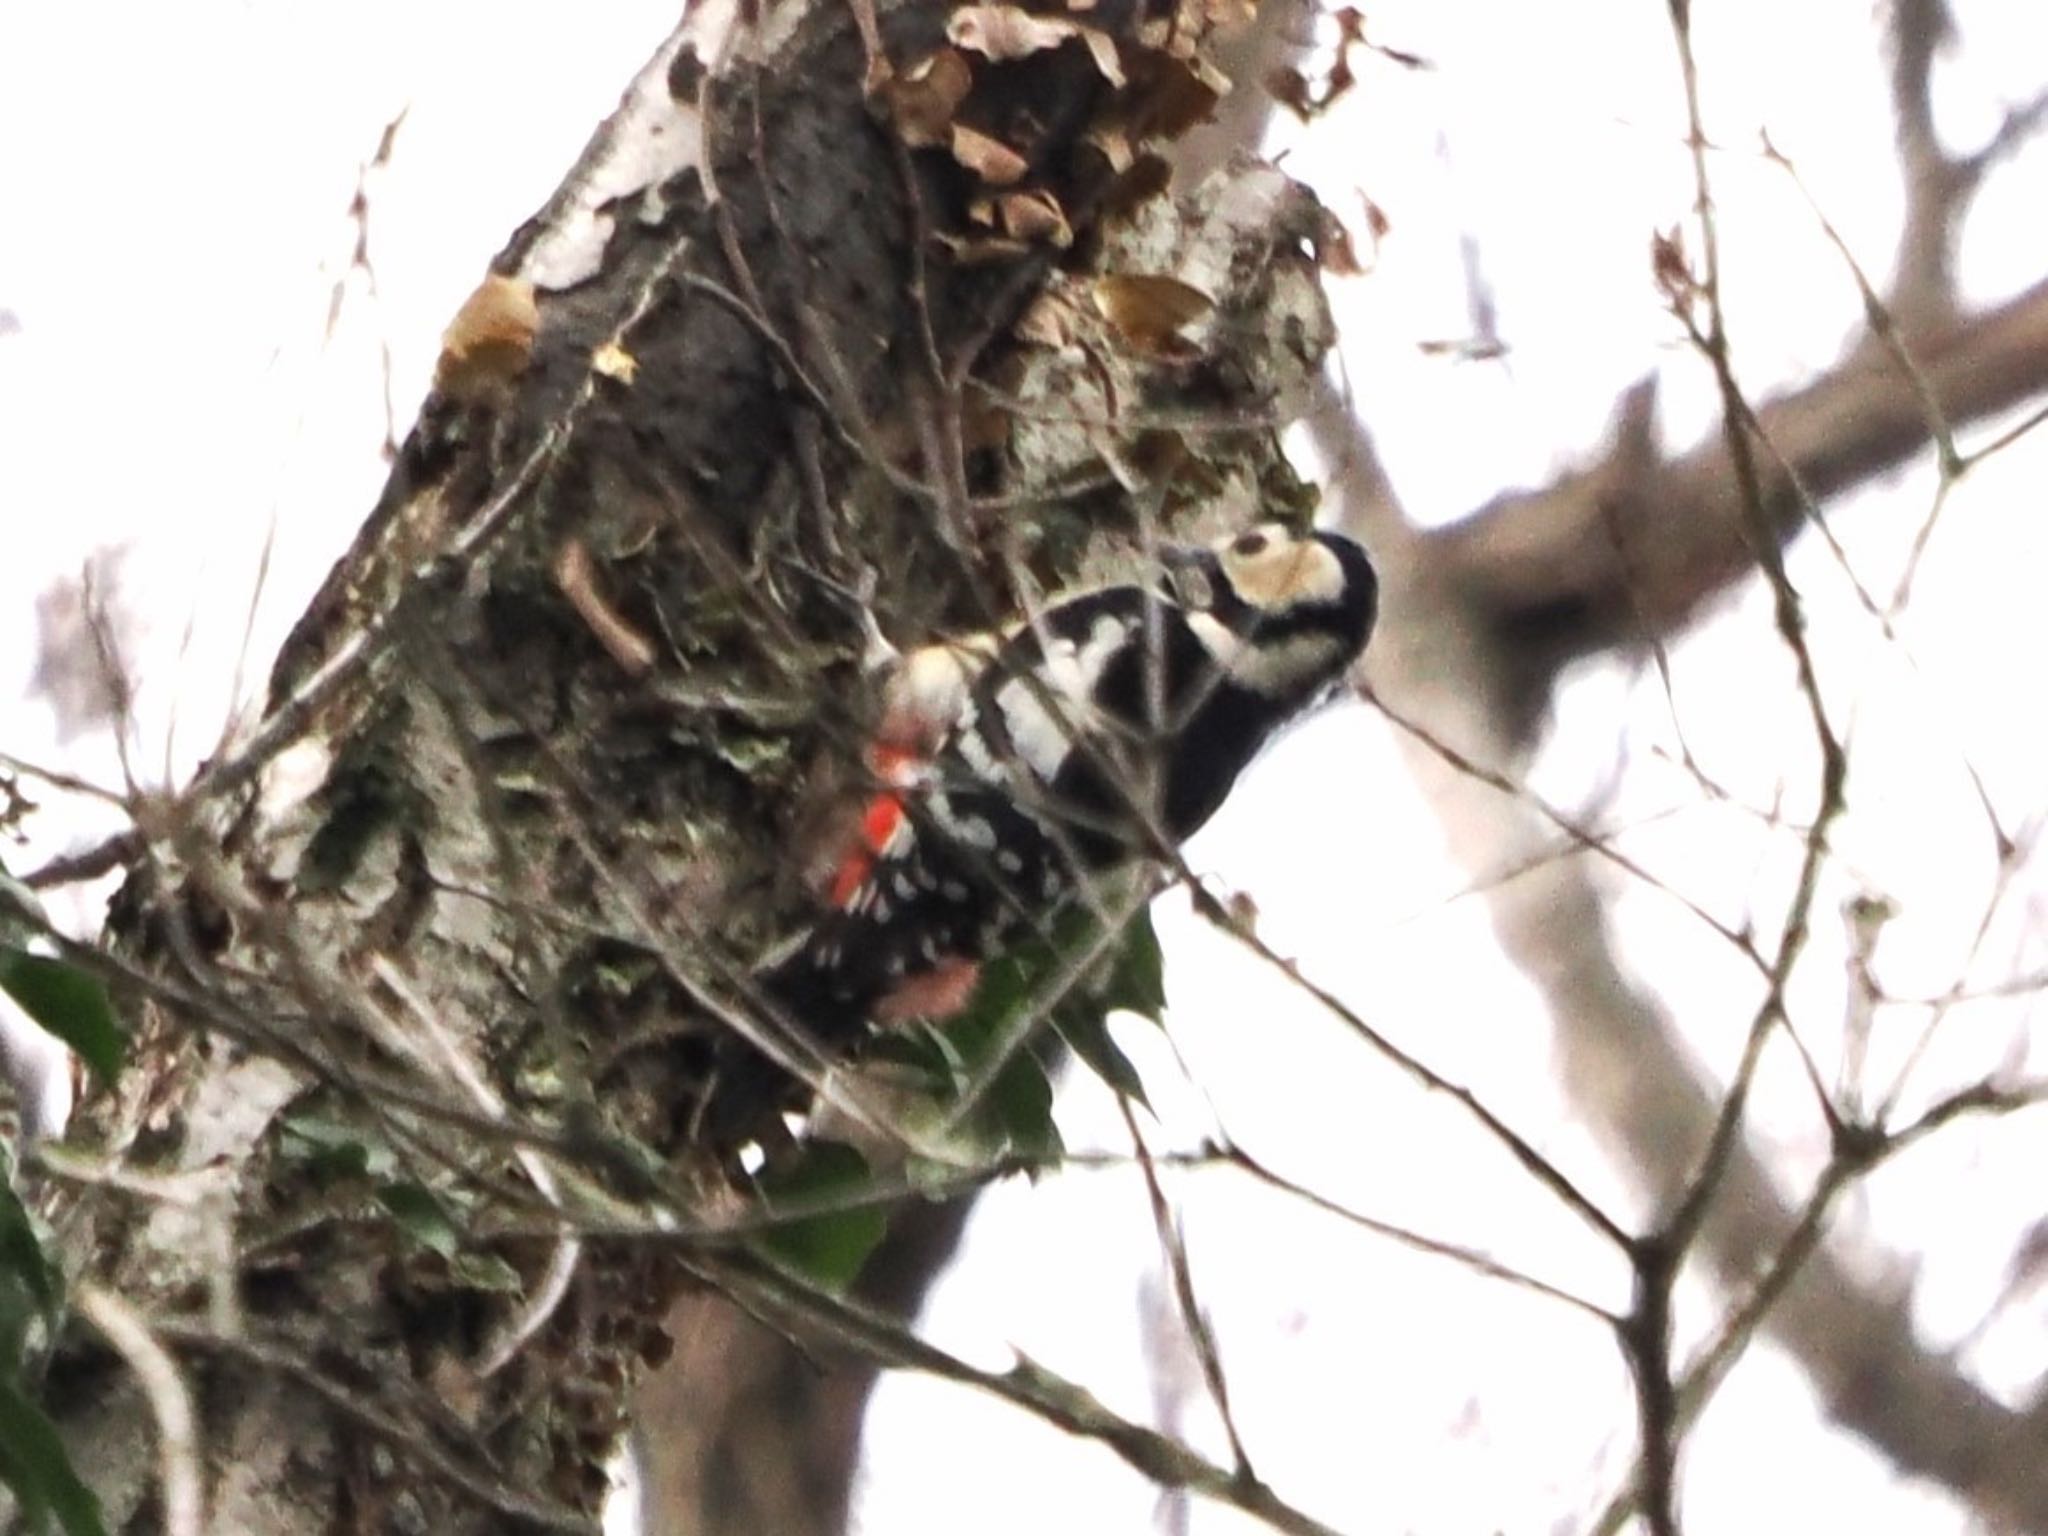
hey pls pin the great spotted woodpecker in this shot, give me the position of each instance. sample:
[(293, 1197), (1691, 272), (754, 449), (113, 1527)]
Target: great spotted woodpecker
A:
[(1013, 767)]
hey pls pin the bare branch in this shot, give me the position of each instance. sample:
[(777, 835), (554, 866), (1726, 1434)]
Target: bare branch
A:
[(1174, 1249), (177, 1426), (1050, 1397), (1542, 563)]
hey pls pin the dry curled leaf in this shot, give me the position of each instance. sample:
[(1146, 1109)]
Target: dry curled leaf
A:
[(980, 251), (1198, 18), (1004, 32), (1172, 93), (1102, 49), (922, 100), (1671, 269), (1290, 88), (1150, 310), (1113, 146), (989, 158), (1334, 251), (1306, 99), (487, 344), (1047, 323), (1036, 216)]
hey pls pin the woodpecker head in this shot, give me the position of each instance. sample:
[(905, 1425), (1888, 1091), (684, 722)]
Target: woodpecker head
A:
[(1283, 613)]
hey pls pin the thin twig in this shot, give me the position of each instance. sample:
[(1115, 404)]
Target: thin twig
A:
[(1519, 1147), (1173, 1247), (1062, 1403), (180, 1459)]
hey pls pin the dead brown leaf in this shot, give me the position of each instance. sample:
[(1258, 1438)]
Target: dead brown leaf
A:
[(989, 158), (1047, 323), (1334, 250), (1036, 216), (1150, 309), (922, 99), (1671, 269), (487, 345), (1172, 94), (1102, 48), (1004, 32), (1113, 146)]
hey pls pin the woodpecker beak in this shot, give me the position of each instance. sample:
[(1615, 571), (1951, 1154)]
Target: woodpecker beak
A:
[(1188, 576)]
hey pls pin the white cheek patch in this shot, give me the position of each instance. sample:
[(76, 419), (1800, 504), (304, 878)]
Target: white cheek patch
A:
[(1285, 574)]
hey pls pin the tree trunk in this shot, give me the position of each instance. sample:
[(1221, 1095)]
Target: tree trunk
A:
[(432, 965)]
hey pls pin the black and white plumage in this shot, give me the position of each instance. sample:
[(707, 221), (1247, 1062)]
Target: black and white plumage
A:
[(1107, 728)]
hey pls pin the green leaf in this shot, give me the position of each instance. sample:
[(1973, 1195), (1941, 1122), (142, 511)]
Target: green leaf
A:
[(827, 1249), (922, 1049), (1016, 1111), (486, 1272), (1130, 977), (30, 1286), (1137, 978), (34, 1464), (422, 1217), (28, 1493), (21, 1252), (1088, 1037), (67, 1002), (1021, 1098)]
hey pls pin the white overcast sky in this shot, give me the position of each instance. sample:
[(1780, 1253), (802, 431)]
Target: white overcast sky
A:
[(176, 181)]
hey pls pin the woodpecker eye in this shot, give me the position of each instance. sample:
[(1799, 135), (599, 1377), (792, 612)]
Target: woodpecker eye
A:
[(1252, 543)]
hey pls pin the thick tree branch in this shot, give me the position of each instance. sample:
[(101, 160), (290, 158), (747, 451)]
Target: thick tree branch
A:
[(1935, 184), (1633, 545)]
